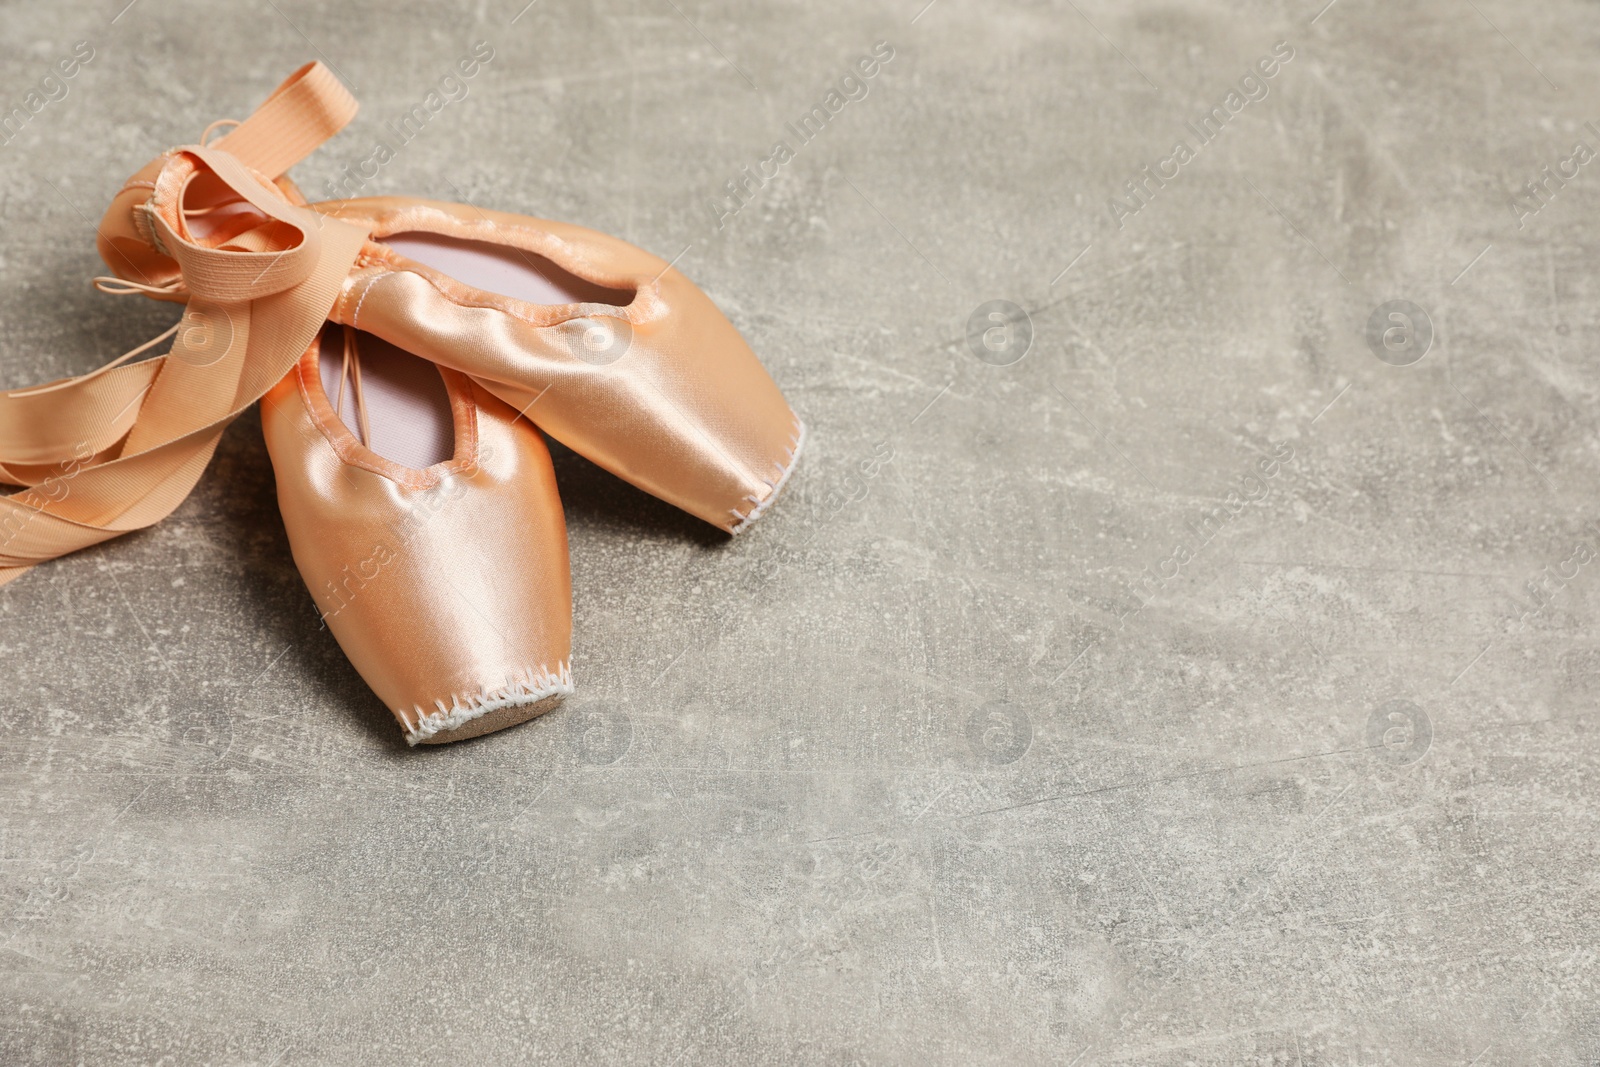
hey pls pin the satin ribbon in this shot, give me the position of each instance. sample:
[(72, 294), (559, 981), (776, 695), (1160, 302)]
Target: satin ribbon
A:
[(120, 448)]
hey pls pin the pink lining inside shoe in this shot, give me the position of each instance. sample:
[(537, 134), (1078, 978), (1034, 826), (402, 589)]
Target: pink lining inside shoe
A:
[(512, 272), (408, 407)]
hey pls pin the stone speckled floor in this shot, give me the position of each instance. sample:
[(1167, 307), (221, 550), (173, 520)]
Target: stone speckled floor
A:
[(1198, 688)]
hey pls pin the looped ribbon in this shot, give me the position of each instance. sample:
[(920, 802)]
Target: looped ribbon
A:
[(119, 448)]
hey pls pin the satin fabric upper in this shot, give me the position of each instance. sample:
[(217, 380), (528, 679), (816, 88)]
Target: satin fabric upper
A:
[(685, 412), (446, 587)]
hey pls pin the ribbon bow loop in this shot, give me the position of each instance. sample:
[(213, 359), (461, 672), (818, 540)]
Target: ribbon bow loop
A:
[(278, 249), (121, 447)]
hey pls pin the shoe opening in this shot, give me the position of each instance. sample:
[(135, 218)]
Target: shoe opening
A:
[(393, 401), (512, 272)]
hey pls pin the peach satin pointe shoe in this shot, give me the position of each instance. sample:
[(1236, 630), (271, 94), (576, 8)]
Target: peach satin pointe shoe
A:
[(607, 348), (422, 513)]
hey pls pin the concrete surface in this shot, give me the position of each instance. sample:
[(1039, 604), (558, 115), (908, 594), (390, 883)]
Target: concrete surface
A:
[(996, 741)]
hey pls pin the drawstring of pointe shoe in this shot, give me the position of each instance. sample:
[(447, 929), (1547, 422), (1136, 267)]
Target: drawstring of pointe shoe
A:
[(119, 448), (205, 134), (114, 286), (350, 367), (68, 383)]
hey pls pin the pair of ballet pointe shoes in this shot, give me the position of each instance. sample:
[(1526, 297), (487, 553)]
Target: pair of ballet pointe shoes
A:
[(407, 355)]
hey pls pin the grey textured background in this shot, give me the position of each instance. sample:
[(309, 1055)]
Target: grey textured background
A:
[(906, 774)]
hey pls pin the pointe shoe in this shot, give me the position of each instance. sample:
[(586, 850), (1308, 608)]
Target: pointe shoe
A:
[(423, 515), (607, 348)]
